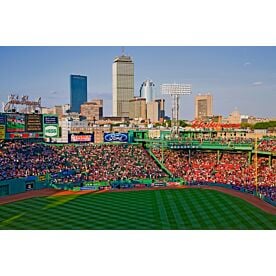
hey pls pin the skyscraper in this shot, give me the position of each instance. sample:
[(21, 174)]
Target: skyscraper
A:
[(156, 111), (122, 85), (138, 108), (203, 106), (146, 91), (78, 92)]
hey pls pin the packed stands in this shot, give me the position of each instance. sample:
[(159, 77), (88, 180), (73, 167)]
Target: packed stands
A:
[(267, 145), (90, 162), (229, 168)]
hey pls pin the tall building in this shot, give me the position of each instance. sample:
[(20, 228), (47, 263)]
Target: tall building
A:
[(203, 106), (92, 110), (147, 91), (234, 117), (59, 110), (138, 108), (122, 85), (78, 92), (156, 111)]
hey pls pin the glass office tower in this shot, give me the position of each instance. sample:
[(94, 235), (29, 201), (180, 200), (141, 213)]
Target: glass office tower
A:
[(146, 91), (78, 92)]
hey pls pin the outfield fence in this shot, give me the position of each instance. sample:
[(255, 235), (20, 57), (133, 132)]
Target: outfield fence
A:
[(20, 185), (233, 187), (25, 184)]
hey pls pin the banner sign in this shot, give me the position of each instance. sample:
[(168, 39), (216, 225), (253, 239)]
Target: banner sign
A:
[(249, 191), (213, 125), (80, 138), (15, 122), (2, 119), (87, 188), (33, 123), (50, 126), (2, 132), (237, 188), (115, 137), (172, 146), (42, 177), (29, 186), (51, 131), (50, 120), (23, 135)]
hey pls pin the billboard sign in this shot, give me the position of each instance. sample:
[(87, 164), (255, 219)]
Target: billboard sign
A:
[(2, 132), (80, 138), (51, 131), (2, 119), (115, 137), (50, 120), (15, 122), (29, 186), (42, 177), (33, 123), (23, 135)]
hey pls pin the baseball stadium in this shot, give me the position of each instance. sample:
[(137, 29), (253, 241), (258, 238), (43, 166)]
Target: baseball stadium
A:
[(134, 180)]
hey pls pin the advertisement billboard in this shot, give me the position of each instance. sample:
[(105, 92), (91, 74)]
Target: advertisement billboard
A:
[(29, 186), (50, 120), (33, 123), (2, 119), (2, 132), (80, 138), (27, 135), (51, 131), (115, 137), (15, 122), (50, 126)]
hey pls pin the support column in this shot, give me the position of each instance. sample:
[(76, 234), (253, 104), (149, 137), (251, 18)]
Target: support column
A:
[(249, 157), (270, 161), (218, 156)]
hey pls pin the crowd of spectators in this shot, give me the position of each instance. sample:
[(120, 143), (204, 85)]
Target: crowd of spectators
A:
[(90, 162), (267, 145), (228, 168), (106, 162)]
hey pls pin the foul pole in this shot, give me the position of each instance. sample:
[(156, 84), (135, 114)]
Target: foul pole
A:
[(256, 164)]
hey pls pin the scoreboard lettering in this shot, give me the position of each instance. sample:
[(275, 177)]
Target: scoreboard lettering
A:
[(33, 123)]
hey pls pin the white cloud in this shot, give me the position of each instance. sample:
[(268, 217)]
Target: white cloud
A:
[(256, 83), (247, 64)]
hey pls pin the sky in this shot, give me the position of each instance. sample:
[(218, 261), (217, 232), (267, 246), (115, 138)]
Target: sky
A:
[(242, 78)]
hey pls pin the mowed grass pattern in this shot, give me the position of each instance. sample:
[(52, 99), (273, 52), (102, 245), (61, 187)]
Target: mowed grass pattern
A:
[(160, 209)]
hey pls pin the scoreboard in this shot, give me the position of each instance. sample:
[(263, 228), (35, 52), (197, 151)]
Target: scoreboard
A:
[(33, 123)]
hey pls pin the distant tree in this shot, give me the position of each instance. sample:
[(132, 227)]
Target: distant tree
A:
[(183, 123), (265, 125), (168, 122), (247, 125)]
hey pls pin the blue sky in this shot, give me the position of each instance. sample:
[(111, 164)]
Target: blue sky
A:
[(238, 77)]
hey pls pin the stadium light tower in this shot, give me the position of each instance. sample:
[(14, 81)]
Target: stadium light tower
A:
[(175, 90)]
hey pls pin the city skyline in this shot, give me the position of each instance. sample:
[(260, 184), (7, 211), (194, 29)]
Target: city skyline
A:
[(237, 77)]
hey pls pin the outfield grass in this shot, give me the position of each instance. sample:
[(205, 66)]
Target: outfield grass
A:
[(160, 209)]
